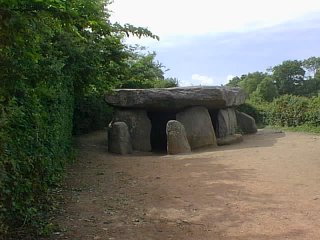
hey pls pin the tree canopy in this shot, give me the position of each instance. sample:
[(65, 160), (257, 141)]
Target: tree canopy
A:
[(289, 77)]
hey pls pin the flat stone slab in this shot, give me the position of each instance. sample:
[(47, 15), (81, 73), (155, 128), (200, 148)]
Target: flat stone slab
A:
[(176, 98)]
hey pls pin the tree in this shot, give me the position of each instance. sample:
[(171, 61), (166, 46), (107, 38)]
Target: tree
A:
[(266, 90), (248, 82), (234, 82), (251, 81), (312, 65), (289, 77), (144, 71)]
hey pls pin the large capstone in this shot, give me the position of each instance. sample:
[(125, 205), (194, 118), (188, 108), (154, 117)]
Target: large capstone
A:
[(227, 122), (198, 126), (176, 98), (139, 127), (177, 141), (246, 123), (119, 138)]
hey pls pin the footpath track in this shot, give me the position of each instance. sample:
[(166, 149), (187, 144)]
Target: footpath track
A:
[(267, 187)]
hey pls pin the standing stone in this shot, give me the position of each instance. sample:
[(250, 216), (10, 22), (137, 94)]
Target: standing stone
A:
[(198, 126), (227, 122), (177, 141), (246, 123), (139, 127), (119, 136)]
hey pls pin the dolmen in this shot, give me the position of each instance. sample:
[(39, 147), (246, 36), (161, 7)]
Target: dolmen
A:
[(176, 120)]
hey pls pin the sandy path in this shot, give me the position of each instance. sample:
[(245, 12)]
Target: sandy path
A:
[(267, 187)]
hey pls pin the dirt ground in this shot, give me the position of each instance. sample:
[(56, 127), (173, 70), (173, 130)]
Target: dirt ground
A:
[(267, 187)]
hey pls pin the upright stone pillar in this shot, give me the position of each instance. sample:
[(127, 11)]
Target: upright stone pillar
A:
[(227, 122), (120, 140), (198, 126), (177, 141), (139, 127), (246, 123)]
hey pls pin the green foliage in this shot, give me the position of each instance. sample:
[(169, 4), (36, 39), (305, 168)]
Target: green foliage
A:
[(36, 110), (312, 65), (143, 71), (91, 113), (135, 70), (57, 58), (35, 142), (129, 29), (166, 83), (303, 128), (313, 113), (265, 91), (286, 96), (289, 111), (293, 77), (251, 81), (294, 113), (289, 77), (257, 111), (234, 82)]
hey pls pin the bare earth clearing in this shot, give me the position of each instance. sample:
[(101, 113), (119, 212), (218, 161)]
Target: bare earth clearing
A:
[(267, 187)]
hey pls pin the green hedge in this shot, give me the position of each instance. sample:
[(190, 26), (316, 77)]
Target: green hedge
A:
[(258, 111), (293, 111), (286, 111), (91, 113), (313, 114), (56, 58), (35, 143)]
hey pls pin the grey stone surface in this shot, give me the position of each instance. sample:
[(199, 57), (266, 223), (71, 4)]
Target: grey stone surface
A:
[(198, 126), (230, 139), (246, 123), (139, 127), (227, 122), (176, 98), (119, 138), (177, 141)]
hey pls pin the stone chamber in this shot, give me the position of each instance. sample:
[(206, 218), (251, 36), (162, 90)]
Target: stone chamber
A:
[(176, 120)]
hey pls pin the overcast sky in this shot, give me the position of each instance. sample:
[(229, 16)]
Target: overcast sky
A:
[(206, 42)]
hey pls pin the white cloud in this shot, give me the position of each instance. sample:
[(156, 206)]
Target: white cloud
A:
[(202, 80), (179, 17), (197, 80)]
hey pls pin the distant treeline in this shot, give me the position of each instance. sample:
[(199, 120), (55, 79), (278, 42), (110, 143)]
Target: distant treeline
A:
[(285, 95)]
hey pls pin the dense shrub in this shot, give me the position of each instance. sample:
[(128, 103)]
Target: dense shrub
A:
[(286, 111), (313, 114), (56, 60), (257, 111), (289, 111), (91, 113), (35, 142)]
